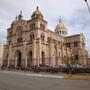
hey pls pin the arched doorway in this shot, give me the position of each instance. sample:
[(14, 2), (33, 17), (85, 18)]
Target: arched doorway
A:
[(43, 58), (29, 60), (18, 58)]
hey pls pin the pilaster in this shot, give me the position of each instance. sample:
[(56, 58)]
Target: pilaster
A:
[(34, 52), (9, 58)]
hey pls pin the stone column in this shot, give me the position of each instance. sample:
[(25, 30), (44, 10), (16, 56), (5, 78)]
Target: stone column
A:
[(9, 58), (34, 52), (62, 54), (26, 61), (25, 54), (52, 54), (39, 51), (67, 55), (57, 55)]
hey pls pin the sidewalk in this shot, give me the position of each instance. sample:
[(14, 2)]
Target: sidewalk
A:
[(44, 75), (49, 75)]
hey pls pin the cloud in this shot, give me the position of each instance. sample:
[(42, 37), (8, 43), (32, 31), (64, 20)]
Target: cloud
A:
[(74, 14)]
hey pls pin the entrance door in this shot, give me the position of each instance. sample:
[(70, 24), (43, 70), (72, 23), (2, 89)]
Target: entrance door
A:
[(18, 55), (43, 58)]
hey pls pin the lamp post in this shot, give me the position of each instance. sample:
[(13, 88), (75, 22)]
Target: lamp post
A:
[(87, 5)]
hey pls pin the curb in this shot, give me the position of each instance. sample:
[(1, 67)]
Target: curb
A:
[(76, 78)]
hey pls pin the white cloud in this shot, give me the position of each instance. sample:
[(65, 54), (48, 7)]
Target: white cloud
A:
[(74, 14)]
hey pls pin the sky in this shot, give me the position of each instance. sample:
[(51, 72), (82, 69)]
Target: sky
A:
[(74, 14)]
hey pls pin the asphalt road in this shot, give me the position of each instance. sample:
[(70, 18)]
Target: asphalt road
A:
[(13, 81)]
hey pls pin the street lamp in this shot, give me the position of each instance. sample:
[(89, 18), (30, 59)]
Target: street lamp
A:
[(87, 5)]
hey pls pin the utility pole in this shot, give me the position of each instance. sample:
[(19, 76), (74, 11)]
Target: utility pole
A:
[(87, 5)]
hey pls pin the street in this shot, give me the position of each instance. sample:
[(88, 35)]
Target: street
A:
[(19, 81)]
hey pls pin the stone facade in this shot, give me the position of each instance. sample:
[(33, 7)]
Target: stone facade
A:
[(31, 43)]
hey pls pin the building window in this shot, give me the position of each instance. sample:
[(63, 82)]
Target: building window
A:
[(19, 34), (75, 44), (32, 37), (48, 39), (76, 57), (66, 33), (68, 45), (19, 40), (42, 27), (32, 26), (60, 31), (42, 37), (9, 41), (57, 32)]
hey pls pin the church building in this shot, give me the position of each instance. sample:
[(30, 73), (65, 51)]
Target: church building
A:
[(31, 43)]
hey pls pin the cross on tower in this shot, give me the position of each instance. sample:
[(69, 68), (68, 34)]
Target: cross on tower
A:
[(59, 19), (36, 1), (20, 12)]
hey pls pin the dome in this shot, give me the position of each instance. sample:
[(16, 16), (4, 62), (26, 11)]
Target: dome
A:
[(61, 29), (37, 13), (60, 26)]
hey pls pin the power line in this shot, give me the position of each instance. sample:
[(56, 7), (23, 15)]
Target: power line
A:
[(87, 5)]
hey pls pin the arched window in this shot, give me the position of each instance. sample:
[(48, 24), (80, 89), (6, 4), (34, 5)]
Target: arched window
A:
[(75, 44), (42, 37), (48, 39), (32, 26), (19, 34), (32, 37), (60, 31), (42, 27)]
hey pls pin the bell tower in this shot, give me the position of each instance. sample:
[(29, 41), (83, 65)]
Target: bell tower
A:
[(38, 20)]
